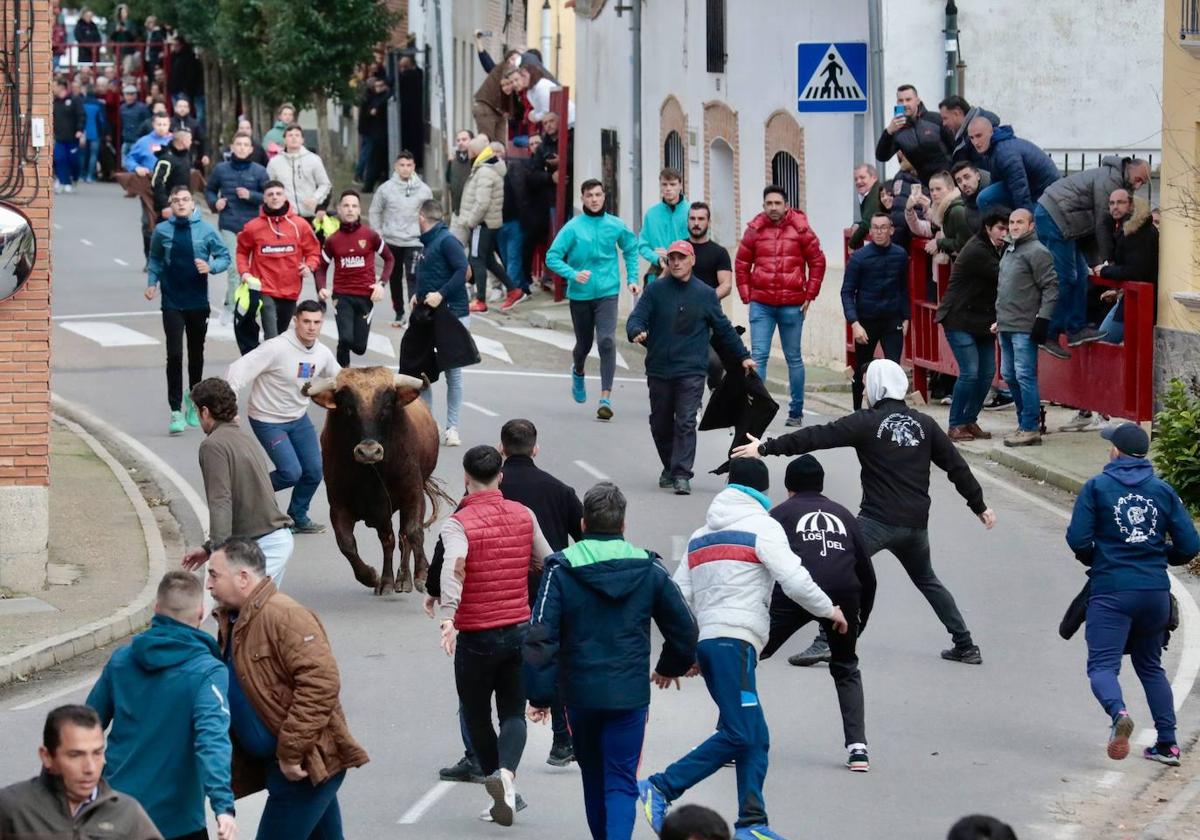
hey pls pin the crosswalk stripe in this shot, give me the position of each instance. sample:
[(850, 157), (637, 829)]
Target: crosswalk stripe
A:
[(493, 348), (376, 343), (107, 334)]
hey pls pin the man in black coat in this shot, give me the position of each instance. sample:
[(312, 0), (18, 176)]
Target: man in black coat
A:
[(918, 133), (174, 169), (1135, 256)]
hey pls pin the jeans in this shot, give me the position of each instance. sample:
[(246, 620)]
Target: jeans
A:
[(888, 332), (405, 258), (1018, 367), (177, 323), (976, 357), (293, 449), (1070, 264), (787, 617), (232, 278), (298, 810), (488, 662), (727, 666), (994, 195), (608, 749), (89, 157), (482, 258), (352, 313), (511, 244), (674, 404), (764, 318), (454, 389), (1114, 330), (1133, 620), (277, 548), (911, 548), (64, 161), (596, 320), (276, 312)]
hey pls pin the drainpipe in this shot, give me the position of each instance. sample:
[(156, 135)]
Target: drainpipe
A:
[(875, 36), (546, 40), (636, 66), (951, 48)]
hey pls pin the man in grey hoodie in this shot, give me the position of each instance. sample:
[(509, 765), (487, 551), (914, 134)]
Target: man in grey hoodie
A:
[(394, 211), (302, 174)]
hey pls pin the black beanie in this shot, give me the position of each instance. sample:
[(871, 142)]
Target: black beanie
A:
[(750, 472), (804, 473)]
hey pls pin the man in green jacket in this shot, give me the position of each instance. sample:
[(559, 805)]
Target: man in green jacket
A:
[(584, 253), (664, 223)]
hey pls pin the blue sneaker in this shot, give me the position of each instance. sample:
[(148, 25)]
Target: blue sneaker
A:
[(654, 805), (578, 387), (604, 410), (756, 832)]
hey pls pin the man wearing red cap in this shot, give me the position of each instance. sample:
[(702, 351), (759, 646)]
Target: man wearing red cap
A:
[(675, 320)]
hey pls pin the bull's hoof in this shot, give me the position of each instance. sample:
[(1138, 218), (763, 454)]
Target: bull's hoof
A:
[(404, 585), (367, 577), (385, 583), (419, 583)]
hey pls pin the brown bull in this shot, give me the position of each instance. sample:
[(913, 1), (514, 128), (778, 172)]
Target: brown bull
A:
[(379, 448)]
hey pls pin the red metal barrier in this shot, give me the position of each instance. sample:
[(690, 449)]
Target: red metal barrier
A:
[(1112, 379)]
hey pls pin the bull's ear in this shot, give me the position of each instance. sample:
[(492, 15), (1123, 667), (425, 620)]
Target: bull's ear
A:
[(325, 399), (408, 388), (321, 391), (405, 395)]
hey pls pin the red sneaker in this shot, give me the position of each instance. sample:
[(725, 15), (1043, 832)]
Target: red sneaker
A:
[(477, 306), (514, 297)]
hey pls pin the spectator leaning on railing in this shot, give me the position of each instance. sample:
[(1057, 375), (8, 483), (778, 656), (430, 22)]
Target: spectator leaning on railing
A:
[(1020, 170), (970, 181), (866, 186), (957, 114), (1135, 256)]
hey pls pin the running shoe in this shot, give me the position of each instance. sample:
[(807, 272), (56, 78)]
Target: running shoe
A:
[(514, 297), (654, 805), (757, 832), (178, 423), (665, 482), (966, 654), (477, 306), (858, 761), (486, 814), (1163, 753), (1084, 336), (307, 526), (190, 415), (1000, 402), (794, 421), (561, 754), (1083, 421), (1054, 349), (465, 770), (1118, 736), (578, 387), (604, 409), (500, 787), (818, 651), (451, 437)]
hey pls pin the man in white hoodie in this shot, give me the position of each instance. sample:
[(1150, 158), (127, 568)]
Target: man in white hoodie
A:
[(394, 212), (302, 174), (727, 576)]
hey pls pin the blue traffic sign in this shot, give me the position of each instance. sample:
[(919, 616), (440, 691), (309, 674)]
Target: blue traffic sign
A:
[(831, 77)]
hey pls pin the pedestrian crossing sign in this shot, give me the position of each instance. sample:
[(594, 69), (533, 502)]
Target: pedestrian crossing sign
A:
[(831, 78)]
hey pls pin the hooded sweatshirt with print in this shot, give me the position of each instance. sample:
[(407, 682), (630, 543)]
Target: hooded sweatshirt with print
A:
[(303, 177), (273, 247), (395, 208)]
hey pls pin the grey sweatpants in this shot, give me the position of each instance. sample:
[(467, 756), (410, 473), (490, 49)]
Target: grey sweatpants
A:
[(596, 319)]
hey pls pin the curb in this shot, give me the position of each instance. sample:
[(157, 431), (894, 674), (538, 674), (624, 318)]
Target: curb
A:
[(121, 623), (1034, 470)]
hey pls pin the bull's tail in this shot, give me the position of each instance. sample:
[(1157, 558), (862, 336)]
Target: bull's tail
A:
[(435, 494)]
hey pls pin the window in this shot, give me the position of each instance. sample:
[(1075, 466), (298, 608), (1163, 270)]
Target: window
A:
[(786, 173), (674, 155), (610, 162), (715, 23)]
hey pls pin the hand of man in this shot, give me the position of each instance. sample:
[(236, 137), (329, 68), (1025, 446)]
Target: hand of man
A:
[(141, 170), (222, 203), (150, 292), (201, 266), (839, 621), (166, 212), (858, 332), (194, 559), (804, 306), (1109, 295), (748, 449), (204, 160), (904, 327), (306, 273), (896, 124), (1040, 333), (537, 715), (292, 772), (376, 292), (82, 141), (994, 328), (662, 264), (988, 518), (323, 294), (749, 364), (554, 176), (931, 247), (665, 682), (242, 193), (693, 671), (310, 204), (428, 605), (226, 827), (433, 299), (640, 338), (583, 276), (635, 289), (449, 635), (412, 302), (1095, 270)]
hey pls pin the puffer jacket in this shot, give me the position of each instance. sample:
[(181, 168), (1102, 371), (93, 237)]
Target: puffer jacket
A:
[(875, 284), (779, 264), (1027, 287), (963, 150), (495, 572), (224, 182), (732, 562), (969, 304), (1078, 203), (287, 670), (482, 199), (1021, 166), (925, 142), (1135, 251), (304, 179), (395, 208)]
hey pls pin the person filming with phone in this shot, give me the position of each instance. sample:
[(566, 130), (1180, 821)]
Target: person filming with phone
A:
[(919, 133)]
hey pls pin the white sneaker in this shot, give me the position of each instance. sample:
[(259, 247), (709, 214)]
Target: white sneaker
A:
[(451, 437), (500, 787), (226, 317), (1083, 423), (68, 188), (494, 295), (58, 188)]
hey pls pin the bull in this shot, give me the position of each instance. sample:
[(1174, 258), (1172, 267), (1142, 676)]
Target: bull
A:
[(379, 448)]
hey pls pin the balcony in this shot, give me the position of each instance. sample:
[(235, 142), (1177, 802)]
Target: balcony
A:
[(1189, 26)]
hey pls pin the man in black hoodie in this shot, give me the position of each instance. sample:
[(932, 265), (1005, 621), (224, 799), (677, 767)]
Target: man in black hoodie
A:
[(174, 169), (918, 133), (895, 447)]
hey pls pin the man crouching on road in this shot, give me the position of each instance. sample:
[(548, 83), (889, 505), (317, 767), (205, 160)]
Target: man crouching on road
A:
[(289, 732)]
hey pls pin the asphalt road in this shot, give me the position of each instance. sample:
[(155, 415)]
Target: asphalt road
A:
[(1011, 738)]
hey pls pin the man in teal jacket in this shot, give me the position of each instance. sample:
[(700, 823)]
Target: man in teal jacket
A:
[(584, 253), (664, 223), (165, 696)]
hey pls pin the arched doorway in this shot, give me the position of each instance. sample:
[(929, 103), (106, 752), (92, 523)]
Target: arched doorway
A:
[(721, 192), (785, 171), (674, 155)]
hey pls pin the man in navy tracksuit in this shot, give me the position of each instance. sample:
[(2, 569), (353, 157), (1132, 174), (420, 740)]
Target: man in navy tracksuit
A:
[(601, 663), (235, 192), (1119, 529)]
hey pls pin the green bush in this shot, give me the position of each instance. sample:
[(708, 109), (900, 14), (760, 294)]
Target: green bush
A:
[(1176, 449)]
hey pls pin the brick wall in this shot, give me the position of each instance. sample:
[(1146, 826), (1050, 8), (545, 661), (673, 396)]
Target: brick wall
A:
[(25, 318), (720, 121), (784, 134), (514, 36), (399, 35), (671, 118)]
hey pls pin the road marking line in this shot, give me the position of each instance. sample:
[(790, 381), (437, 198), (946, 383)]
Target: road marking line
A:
[(86, 241), (480, 409), (590, 470), (491, 347), (534, 375), (110, 335), (376, 343), (422, 805), (1110, 779), (54, 695), (141, 313), (120, 261), (1068, 832)]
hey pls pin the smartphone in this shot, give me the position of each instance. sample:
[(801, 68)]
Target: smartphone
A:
[(916, 189), (898, 111)]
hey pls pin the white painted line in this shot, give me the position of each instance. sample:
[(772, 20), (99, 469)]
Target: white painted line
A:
[(471, 371), (86, 241), (493, 348), (422, 805), (141, 313), (590, 470), (1110, 779), (376, 343), (62, 692), (110, 335), (1068, 832), (484, 411), (120, 261), (1147, 737)]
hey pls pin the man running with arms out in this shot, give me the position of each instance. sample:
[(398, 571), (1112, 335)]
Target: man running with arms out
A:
[(184, 251), (726, 577), (895, 447), (276, 371), (584, 254), (352, 249)]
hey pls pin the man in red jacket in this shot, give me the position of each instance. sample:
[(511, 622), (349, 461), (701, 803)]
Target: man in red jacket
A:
[(779, 269), (491, 544), (274, 254), (351, 249)]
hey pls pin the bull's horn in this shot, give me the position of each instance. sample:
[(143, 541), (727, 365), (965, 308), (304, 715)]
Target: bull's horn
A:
[(319, 386), (405, 381)]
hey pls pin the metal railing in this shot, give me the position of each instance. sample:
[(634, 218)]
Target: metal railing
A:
[(1189, 20)]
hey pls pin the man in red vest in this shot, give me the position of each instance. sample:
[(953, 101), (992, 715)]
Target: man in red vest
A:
[(490, 546)]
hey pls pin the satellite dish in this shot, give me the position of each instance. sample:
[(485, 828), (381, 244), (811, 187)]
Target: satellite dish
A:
[(18, 250)]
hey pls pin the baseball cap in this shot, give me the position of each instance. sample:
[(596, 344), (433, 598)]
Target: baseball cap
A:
[(129, 89), (681, 246), (1130, 438)]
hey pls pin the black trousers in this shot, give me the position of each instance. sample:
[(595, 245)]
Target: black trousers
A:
[(484, 259), (201, 834), (405, 268), (176, 324), (674, 404), (787, 617), (276, 314), (353, 316), (488, 662), (886, 331)]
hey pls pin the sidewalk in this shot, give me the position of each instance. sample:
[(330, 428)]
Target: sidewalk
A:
[(106, 556)]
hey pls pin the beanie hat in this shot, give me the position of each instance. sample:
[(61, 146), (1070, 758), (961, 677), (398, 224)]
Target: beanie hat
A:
[(750, 472), (804, 473)]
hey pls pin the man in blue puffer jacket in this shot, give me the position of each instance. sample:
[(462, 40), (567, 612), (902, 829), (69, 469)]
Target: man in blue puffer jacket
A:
[(235, 192), (1020, 170), (166, 698), (1119, 528)]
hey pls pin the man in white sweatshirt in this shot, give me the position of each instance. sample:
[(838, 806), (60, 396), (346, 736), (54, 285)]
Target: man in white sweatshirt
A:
[(727, 576), (394, 211), (302, 174), (276, 371)]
